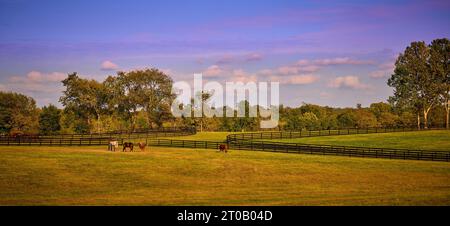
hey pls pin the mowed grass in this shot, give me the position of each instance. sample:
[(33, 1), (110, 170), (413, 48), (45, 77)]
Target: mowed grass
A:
[(426, 140), (168, 176)]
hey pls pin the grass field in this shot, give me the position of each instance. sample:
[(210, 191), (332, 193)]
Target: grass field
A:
[(167, 176), (427, 140), (205, 136)]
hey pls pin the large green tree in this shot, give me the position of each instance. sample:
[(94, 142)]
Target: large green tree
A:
[(18, 113), (440, 69), (149, 90), (86, 97), (413, 82)]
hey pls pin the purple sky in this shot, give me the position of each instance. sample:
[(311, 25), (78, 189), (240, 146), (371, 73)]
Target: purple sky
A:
[(324, 52)]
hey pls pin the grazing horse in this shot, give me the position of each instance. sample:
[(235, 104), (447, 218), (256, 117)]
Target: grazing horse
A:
[(142, 145), (223, 148), (127, 145), (113, 144)]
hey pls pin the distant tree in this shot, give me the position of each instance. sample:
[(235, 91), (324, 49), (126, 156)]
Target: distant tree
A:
[(329, 121), (440, 68), (378, 108), (407, 119), (365, 119), (387, 119), (346, 119), (18, 113), (245, 123), (309, 121), (291, 117), (49, 120), (203, 96)]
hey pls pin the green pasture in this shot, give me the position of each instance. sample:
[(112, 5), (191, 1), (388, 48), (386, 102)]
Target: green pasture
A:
[(426, 140), (169, 176)]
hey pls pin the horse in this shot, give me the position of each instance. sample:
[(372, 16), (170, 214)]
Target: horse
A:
[(223, 148), (127, 145), (113, 144), (142, 146)]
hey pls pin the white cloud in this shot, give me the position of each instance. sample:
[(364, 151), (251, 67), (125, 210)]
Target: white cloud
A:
[(43, 87), (350, 81), (341, 61), (109, 66), (38, 77), (310, 66), (295, 79)]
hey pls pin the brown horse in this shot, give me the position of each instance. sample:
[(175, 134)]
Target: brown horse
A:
[(142, 146), (127, 145), (223, 148)]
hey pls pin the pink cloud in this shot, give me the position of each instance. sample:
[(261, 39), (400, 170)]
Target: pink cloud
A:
[(212, 71), (226, 59), (302, 79), (108, 66), (341, 61), (240, 75), (253, 57), (295, 79), (39, 77)]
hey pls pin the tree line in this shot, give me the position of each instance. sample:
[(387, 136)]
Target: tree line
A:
[(141, 99)]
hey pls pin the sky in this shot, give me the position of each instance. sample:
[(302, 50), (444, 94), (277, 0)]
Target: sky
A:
[(335, 53)]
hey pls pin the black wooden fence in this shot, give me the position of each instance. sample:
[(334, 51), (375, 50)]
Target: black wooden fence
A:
[(314, 133), (92, 139), (242, 141), (257, 142), (196, 144)]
